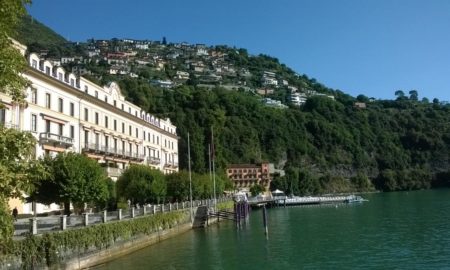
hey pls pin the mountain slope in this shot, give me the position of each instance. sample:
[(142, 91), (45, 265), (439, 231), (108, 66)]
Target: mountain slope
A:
[(327, 145), (32, 31)]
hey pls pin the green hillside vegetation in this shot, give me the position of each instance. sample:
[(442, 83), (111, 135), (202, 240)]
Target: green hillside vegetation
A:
[(325, 146), (40, 38), (32, 31)]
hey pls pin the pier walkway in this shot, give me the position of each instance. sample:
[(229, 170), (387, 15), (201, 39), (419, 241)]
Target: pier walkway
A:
[(284, 201)]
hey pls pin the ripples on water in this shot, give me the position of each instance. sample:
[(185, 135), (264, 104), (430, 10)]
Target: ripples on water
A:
[(403, 230)]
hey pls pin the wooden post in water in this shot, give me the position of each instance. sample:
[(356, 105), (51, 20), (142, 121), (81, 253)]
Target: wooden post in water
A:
[(266, 229)]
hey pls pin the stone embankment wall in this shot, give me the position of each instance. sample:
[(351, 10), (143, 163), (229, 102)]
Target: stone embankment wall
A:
[(124, 248)]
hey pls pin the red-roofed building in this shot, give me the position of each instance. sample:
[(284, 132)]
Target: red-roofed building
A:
[(244, 176)]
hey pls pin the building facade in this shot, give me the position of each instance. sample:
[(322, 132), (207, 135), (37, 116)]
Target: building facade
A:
[(70, 113), (244, 176)]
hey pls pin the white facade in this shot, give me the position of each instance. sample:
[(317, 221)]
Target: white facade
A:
[(298, 99), (70, 113)]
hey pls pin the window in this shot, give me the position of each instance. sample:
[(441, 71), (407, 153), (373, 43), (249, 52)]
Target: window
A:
[(47, 70), (72, 82), (96, 118), (115, 145), (129, 130), (123, 147), (60, 105), (96, 94), (131, 148), (47, 100), (86, 114), (97, 140), (72, 109), (106, 121), (123, 128), (47, 126), (129, 110), (33, 122), (137, 135), (106, 142), (123, 108), (86, 137), (72, 132), (143, 135), (34, 63), (115, 103), (115, 125), (34, 95), (106, 99), (157, 140), (86, 89), (60, 129)]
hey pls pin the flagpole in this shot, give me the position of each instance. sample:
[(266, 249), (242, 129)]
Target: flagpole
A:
[(209, 163), (213, 168), (190, 177)]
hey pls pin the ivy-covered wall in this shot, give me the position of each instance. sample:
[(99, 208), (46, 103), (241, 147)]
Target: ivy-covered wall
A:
[(53, 248)]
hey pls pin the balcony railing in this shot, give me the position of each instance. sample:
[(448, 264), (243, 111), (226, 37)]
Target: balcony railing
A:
[(113, 172), (9, 125), (153, 160), (171, 165), (111, 151), (51, 138)]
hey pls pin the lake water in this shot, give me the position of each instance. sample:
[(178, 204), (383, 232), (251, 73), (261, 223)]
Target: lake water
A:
[(401, 230)]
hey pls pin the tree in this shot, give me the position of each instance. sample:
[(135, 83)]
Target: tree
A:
[(362, 98), (74, 178), (400, 94), (158, 187), (141, 184), (12, 63), (15, 146), (257, 189), (178, 186), (413, 95), (135, 184)]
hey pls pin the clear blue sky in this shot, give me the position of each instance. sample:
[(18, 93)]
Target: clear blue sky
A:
[(370, 47)]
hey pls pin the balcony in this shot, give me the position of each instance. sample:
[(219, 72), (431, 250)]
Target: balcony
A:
[(55, 139), (9, 125), (111, 151), (91, 147), (153, 161), (173, 165), (113, 172)]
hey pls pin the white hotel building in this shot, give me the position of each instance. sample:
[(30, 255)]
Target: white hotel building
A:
[(70, 113)]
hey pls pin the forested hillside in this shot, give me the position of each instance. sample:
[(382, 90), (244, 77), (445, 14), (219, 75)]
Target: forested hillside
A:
[(325, 145)]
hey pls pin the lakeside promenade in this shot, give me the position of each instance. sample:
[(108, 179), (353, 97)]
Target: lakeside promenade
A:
[(40, 225)]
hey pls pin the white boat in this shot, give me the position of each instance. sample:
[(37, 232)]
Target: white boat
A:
[(355, 199)]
